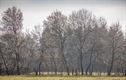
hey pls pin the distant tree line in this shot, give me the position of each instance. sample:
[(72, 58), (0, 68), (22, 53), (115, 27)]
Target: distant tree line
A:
[(78, 44)]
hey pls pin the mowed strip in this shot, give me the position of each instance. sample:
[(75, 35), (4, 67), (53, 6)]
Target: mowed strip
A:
[(59, 78)]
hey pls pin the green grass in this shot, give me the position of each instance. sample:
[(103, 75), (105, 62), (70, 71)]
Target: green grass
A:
[(25, 77)]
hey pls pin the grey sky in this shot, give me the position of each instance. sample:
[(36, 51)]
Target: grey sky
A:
[(35, 11)]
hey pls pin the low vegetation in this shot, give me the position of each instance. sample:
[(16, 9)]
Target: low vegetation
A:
[(59, 78)]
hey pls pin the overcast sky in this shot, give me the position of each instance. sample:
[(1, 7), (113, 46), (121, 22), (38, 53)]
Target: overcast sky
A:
[(35, 11)]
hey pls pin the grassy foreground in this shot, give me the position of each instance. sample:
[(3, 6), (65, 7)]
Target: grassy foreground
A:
[(59, 78)]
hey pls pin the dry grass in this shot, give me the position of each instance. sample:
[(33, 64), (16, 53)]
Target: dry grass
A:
[(59, 78)]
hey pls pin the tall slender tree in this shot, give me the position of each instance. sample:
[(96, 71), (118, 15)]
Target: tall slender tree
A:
[(12, 23), (115, 40)]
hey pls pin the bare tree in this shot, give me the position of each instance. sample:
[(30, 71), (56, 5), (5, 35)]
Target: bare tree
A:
[(115, 39), (57, 25), (12, 22), (81, 21)]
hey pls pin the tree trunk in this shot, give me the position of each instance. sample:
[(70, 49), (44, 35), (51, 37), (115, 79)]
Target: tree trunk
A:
[(4, 62), (66, 66), (17, 64), (76, 72), (111, 65), (36, 71), (55, 70), (54, 62), (125, 72), (72, 71), (81, 63), (18, 70), (90, 60), (64, 59), (39, 68), (91, 70), (17, 53)]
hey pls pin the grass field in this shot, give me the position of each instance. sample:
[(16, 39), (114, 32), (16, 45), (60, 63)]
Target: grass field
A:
[(59, 78)]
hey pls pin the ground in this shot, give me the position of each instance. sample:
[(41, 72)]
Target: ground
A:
[(59, 78)]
